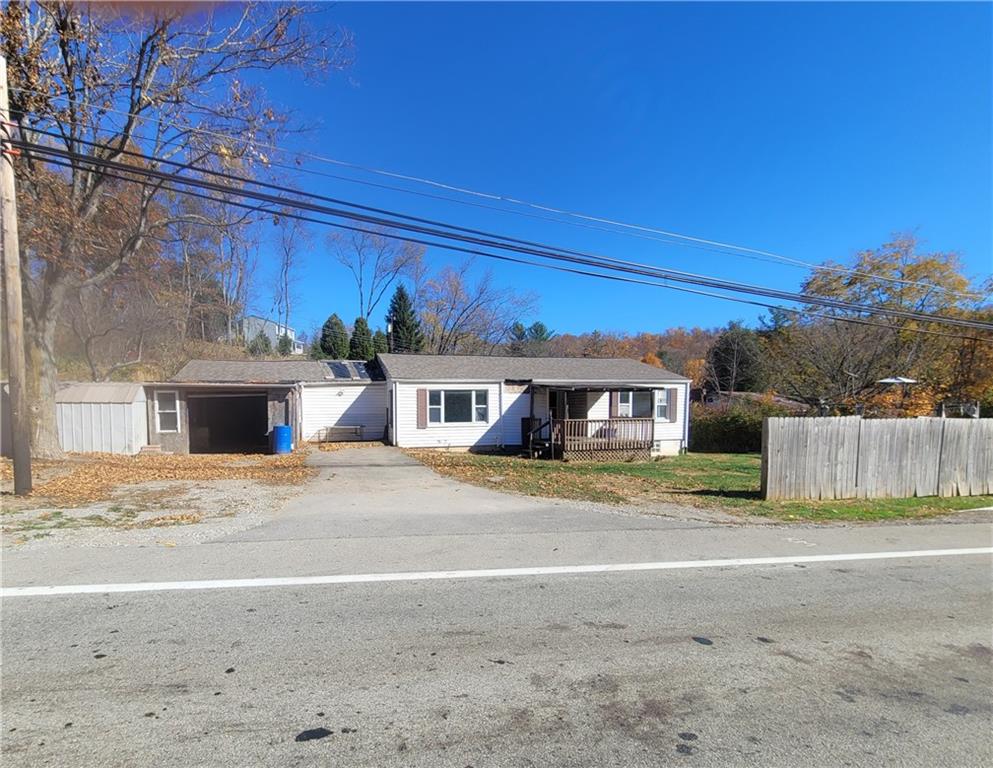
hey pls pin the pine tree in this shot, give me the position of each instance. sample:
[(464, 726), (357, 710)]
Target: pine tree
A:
[(334, 338), (260, 346), (406, 334), (361, 347), (315, 351), (284, 346), (518, 344), (379, 342)]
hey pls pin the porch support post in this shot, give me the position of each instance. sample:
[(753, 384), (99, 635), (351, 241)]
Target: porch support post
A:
[(531, 420)]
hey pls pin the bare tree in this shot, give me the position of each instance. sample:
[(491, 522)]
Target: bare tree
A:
[(293, 239), (462, 316), (376, 261), (114, 326), (130, 77)]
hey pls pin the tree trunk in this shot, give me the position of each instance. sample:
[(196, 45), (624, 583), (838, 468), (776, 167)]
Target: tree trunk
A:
[(43, 383)]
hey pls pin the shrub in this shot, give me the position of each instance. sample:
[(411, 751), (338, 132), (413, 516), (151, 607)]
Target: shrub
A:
[(736, 430)]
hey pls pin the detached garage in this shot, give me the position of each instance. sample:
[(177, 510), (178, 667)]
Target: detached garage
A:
[(231, 406), (102, 418), (227, 406)]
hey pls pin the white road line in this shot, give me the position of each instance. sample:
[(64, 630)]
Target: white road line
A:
[(486, 573)]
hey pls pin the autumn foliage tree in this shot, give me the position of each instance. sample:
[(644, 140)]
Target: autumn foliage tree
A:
[(810, 356)]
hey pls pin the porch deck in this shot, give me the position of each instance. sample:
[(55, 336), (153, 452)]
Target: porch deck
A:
[(589, 439)]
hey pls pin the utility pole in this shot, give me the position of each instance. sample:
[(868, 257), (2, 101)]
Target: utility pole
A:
[(16, 368)]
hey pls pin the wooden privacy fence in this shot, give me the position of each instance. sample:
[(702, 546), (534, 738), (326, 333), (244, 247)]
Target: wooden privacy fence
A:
[(848, 457)]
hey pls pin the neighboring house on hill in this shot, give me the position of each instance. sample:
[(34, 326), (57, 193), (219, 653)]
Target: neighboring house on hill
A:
[(252, 325), (578, 408)]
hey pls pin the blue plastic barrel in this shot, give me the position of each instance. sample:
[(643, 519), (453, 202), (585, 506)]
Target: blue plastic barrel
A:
[(282, 439)]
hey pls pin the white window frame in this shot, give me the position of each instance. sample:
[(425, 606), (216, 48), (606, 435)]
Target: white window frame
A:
[(158, 411), (661, 405), (625, 404), (440, 408)]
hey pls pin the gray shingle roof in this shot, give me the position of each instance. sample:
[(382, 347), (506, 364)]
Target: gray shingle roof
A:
[(252, 371), (551, 369)]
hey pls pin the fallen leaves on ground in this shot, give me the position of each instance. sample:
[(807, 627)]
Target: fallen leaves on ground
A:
[(164, 521), (340, 444), (93, 477)]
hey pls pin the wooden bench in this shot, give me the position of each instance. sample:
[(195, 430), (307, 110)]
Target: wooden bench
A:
[(340, 433)]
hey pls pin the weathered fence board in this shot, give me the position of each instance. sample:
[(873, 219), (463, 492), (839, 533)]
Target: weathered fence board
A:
[(849, 457)]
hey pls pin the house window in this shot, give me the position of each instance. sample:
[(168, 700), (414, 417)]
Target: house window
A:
[(167, 411), (458, 406), (661, 405), (624, 404), (434, 406), (641, 405), (634, 404)]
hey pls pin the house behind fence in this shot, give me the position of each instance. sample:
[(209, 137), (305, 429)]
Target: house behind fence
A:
[(849, 457)]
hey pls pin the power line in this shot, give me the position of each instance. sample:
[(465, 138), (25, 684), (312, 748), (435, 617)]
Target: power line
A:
[(501, 257), (560, 255), (582, 259), (578, 218)]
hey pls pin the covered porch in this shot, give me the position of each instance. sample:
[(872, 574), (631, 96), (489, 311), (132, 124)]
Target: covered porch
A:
[(574, 422)]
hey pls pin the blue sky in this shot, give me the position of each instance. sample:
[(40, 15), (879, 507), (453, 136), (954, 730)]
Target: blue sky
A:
[(808, 130)]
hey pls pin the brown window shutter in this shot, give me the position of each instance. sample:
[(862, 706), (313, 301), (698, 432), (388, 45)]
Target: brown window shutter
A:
[(422, 409), (672, 401), (615, 404)]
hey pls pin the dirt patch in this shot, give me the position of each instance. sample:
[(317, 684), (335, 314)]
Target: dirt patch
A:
[(164, 513)]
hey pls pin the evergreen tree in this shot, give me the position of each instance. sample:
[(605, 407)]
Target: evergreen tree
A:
[(379, 342), (284, 346), (540, 333), (406, 334), (315, 352), (361, 347), (260, 346), (334, 338), (518, 343)]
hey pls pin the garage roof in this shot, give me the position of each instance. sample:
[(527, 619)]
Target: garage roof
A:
[(274, 371), (557, 370), (251, 371)]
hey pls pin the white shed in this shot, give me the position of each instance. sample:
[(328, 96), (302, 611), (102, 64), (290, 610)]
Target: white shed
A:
[(102, 417)]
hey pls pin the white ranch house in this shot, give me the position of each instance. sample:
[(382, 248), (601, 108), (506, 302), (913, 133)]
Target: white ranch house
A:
[(563, 408)]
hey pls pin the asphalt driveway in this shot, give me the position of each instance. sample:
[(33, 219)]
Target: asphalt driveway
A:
[(380, 491)]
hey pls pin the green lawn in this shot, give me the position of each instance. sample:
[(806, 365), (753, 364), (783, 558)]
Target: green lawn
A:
[(725, 481)]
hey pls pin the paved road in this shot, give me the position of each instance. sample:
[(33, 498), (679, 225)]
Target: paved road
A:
[(870, 662)]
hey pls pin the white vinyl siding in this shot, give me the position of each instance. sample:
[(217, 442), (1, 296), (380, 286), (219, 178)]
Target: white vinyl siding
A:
[(508, 405), (670, 436), (505, 406), (325, 406)]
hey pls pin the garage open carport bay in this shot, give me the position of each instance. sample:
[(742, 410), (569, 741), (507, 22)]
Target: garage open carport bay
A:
[(232, 406)]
